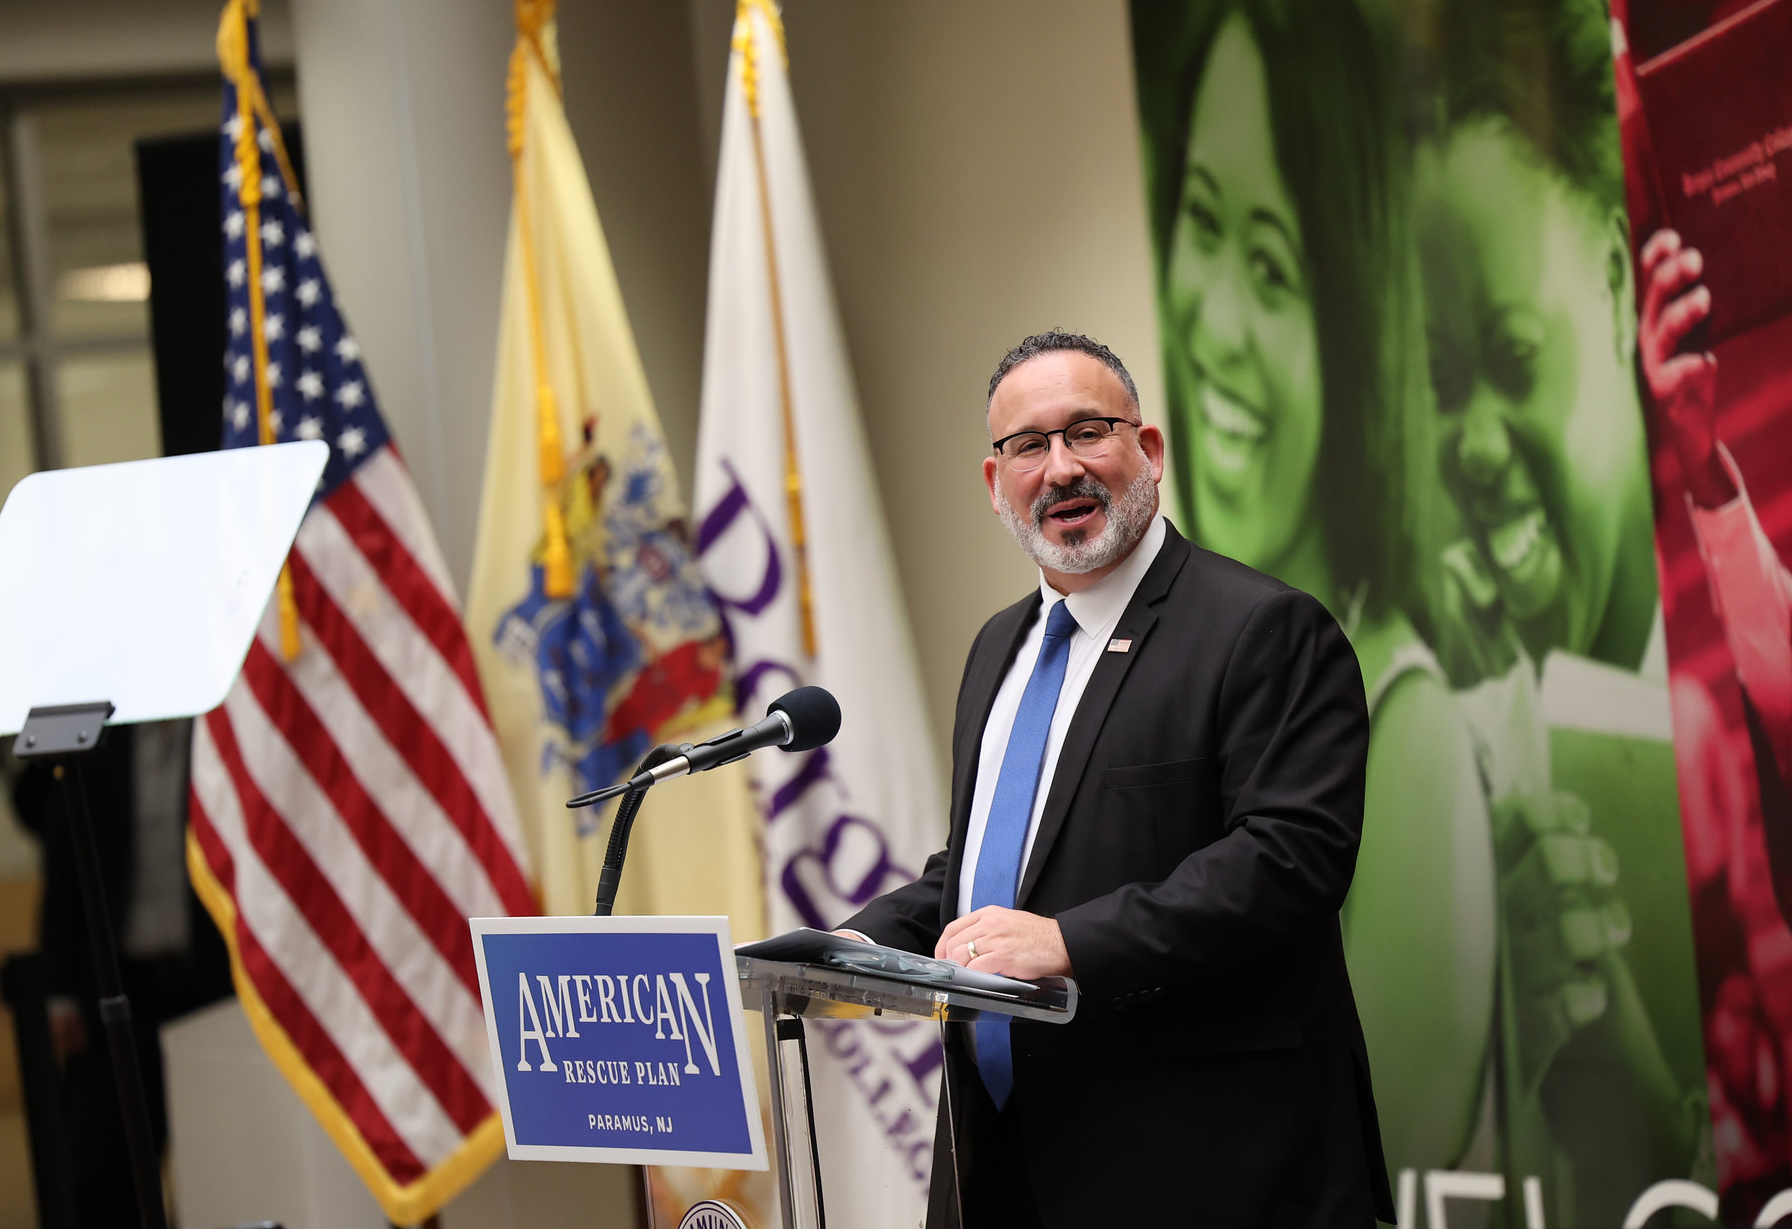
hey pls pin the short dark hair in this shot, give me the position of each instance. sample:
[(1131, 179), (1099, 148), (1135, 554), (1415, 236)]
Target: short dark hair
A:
[(1057, 339), (1544, 67)]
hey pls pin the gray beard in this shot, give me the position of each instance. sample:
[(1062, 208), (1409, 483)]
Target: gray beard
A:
[(1128, 517)]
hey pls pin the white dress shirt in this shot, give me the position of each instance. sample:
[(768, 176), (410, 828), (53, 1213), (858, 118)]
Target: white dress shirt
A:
[(1097, 612)]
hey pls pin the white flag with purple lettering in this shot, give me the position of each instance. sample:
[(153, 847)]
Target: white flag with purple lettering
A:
[(791, 539)]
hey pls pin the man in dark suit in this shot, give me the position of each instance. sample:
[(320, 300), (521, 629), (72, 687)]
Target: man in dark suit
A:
[(1157, 789)]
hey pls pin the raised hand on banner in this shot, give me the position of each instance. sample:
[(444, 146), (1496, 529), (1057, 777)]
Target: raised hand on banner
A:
[(1682, 387), (1563, 919)]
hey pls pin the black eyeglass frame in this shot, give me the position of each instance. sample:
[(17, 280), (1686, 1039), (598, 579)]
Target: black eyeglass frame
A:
[(1111, 422)]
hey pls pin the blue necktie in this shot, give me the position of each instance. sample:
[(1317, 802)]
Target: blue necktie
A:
[(1010, 812)]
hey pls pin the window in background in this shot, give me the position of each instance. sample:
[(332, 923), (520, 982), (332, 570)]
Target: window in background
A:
[(9, 299), (16, 447), (74, 288), (109, 406), (89, 182), (98, 317), (98, 314), (18, 450)]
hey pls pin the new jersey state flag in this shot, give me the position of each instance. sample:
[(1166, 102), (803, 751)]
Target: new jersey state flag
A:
[(594, 635), (792, 541)]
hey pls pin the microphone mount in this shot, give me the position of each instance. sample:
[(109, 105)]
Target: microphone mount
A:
[(800, 720)]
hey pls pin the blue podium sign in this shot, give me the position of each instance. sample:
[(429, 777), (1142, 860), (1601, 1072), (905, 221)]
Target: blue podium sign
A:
[(619, 1040)]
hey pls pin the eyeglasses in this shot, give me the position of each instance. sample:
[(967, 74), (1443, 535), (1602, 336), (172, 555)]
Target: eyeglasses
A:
[(1086, 437)]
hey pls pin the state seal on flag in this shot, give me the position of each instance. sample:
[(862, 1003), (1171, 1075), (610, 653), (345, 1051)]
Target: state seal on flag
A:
[(639, 646)]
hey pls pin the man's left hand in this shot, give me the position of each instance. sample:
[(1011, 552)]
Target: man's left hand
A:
[(1007, 941)]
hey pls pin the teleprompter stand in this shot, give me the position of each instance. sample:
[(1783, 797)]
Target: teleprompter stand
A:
[(64, 734), (787, 993), (143, 583)]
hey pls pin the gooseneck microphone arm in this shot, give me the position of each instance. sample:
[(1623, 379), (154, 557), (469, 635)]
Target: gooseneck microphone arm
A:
[(610, 877), (774, 731), (800, 720)]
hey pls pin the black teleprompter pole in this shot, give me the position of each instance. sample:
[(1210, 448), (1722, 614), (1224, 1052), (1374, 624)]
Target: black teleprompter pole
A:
[(64, 734)]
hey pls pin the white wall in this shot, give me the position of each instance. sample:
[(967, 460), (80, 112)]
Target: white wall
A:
[(633, 107), (977, 173), (402, 103), (954, 227)]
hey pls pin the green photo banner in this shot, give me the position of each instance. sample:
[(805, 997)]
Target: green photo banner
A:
[(1398, 314)]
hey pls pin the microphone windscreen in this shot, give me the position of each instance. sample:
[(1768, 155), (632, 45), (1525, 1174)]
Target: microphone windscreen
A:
[(814, 717)]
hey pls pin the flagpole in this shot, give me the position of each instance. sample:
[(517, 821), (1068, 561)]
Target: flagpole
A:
[(793, 475), (550, 450), (233, 54)]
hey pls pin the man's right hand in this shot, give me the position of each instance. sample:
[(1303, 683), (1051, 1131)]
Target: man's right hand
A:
[(1682, 386)]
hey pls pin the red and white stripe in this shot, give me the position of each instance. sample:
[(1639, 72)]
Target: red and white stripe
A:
[(353, 804)]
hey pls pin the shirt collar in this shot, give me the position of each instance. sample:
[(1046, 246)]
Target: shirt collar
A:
[(1101, 603)]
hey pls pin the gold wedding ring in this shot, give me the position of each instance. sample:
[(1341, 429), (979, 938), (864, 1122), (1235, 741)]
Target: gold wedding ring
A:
[(971, 947)]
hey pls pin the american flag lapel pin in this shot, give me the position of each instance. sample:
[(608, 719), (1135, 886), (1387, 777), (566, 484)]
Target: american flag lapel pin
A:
[(1119, 646)]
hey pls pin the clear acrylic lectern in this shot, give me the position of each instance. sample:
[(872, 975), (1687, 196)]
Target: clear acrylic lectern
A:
[(878, 983)]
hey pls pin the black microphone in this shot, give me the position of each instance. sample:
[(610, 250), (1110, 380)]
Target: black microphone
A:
[(799, 720)]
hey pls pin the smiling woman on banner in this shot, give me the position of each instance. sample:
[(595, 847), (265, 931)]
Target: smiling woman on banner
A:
[(1291, 343)]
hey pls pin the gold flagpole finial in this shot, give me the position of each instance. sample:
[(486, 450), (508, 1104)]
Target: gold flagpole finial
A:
[(233, 41), (532, 16)]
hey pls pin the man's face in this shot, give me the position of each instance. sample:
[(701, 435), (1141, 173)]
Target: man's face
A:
[(1542, 440), (1072, 502)]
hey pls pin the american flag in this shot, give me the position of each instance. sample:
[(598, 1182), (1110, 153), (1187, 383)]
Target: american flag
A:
[(350, 808)]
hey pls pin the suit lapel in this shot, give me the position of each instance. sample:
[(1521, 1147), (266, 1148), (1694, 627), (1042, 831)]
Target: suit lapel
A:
[(1111, 669), (983, 678)]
